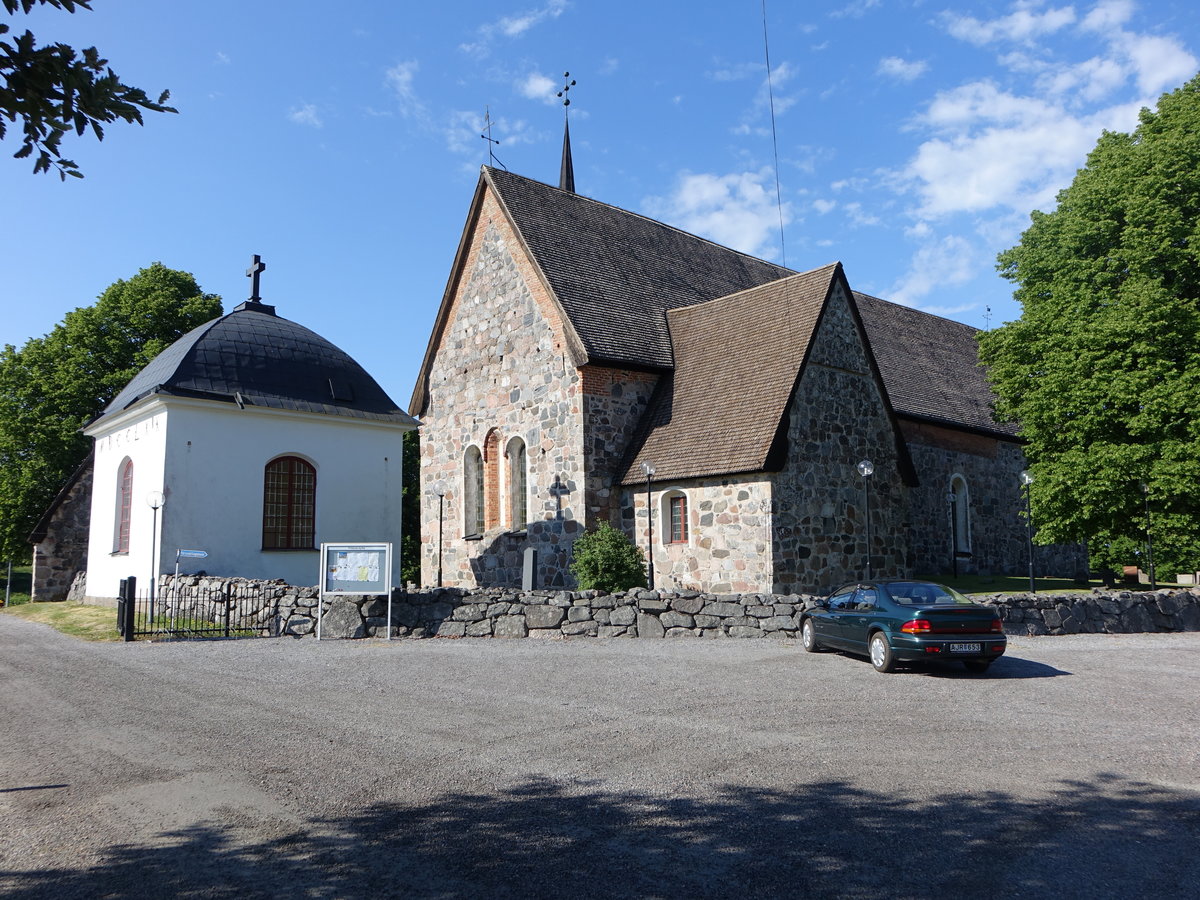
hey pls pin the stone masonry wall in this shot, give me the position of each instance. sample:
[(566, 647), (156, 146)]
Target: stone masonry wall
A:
[(502, 368), (62, 555), (990, 468), (613, 403), (729, 534), (499, 612), (837, 418)]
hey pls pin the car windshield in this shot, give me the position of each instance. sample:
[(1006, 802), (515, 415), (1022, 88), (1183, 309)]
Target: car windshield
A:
[(923, 593)]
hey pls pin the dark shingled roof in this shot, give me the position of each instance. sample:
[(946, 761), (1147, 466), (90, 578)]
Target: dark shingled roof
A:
[(717, 413), (271, 361), (617, 273), (930, 366)]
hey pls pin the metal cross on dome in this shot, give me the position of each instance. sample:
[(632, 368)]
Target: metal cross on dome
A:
[(256, 268)]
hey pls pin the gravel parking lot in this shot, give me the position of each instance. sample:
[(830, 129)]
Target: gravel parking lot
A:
[(622, 768)]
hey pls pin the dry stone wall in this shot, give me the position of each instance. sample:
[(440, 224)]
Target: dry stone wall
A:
[(502, 613), (61, 556)]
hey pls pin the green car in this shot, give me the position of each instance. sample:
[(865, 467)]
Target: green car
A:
[(899, 620)]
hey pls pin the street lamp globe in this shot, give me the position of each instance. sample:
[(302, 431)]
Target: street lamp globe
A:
[(866, 467)]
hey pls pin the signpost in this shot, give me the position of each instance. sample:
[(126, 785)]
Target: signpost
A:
[(355, 569)]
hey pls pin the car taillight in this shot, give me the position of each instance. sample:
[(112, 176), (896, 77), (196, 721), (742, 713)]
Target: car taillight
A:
[(917, 626), (997, 627)]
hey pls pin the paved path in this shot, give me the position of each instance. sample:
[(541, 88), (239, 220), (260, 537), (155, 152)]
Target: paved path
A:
[(283, 768)]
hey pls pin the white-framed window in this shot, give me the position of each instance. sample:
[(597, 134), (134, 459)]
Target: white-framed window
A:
[(473, 491), (674, 514), (960, 509), (518, 485)]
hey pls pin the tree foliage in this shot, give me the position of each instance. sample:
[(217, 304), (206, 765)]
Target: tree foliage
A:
[(606, 560), (1102, 369), (55, 89), (54, 385), (410, 511)]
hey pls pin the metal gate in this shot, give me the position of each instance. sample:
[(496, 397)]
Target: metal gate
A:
[(183, 612)]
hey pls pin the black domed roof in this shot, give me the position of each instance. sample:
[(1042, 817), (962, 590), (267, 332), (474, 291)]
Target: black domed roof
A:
[(257, 358)]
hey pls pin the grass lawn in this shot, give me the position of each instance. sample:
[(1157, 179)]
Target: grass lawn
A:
[(22, 579), (1019, 584), (91, 623)]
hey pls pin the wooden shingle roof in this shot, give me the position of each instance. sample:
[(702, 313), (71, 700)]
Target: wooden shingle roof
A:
[(718, 412)]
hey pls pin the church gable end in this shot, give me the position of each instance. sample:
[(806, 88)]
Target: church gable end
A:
[(839, 415), (499, 368)]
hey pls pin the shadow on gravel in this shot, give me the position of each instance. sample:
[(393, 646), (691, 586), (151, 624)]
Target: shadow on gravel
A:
[(1004, 667), (1106, 837)]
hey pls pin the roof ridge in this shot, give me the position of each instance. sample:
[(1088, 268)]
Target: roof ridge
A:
[(914, 309), (628, 212), (833, 266)]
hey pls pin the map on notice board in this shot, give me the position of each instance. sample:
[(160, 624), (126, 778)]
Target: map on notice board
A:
[(356, 568)]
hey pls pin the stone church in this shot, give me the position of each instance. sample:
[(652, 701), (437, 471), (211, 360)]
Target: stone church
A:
[(590, 364)]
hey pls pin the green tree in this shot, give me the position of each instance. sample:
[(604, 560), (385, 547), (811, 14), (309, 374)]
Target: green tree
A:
[(54, 385), (1102, 369), (606, 560), (54, 90)]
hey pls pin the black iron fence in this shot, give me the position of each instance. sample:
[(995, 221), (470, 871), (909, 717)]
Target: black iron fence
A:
[(188, 612)]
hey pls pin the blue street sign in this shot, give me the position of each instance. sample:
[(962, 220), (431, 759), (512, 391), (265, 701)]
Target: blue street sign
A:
[(192, 554)]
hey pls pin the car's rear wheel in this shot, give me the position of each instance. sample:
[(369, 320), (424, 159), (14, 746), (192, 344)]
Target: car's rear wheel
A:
[(977, 666), (881, 653), (808, 637)]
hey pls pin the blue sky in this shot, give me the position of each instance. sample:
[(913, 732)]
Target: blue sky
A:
[(341, 142)]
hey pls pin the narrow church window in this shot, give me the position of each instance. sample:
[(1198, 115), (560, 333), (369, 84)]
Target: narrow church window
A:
[(678, 513), (518, 504), (289, 504), (473, 492), (961, 508), (491, 480), (124, 508)]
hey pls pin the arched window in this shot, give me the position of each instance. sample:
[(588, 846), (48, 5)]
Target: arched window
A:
[(491, 480), (473, 491), (961, 510), (289, 504), (674, 517), (124, 507), (518, 504)]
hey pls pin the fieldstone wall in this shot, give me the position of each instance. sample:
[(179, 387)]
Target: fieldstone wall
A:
[(613, 403), (455, 612), (837, 418), (61, 555), (502, 370), (991, 470)]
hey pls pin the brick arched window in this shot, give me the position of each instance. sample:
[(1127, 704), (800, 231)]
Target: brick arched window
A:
[(518, 502), (473, 491), (289, 504), (491, 479), (124, 507)]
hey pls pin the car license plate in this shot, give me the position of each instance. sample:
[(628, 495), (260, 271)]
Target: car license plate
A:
[(966, 648)]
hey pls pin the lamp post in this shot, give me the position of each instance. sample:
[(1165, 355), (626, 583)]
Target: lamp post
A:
[(648, 468), (1026, 481), (866, 468), (952, 499), (155, 500), (439, 488), (1149, 540)]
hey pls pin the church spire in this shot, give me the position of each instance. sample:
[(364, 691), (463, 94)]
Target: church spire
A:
[(566, 172)]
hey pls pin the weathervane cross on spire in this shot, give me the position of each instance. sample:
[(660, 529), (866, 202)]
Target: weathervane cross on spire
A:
[(566, 173), (566, 88), (487, 126), (256, 268)]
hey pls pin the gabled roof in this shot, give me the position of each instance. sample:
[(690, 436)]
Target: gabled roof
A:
[(930, 366), (257, 358), (718, 411), (616, 275)]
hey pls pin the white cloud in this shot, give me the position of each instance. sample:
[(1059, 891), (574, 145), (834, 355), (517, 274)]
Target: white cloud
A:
[(306, 114), (222, 59), (824, 206), (1159, 63), (895, 67), (537, 86), (1107, 15), (514, 25), (400, 78), (854, 10), (1022, 25), (462, 130), (938, 263), (737, 210)]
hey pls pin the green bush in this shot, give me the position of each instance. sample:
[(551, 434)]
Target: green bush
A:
[(606, 560)]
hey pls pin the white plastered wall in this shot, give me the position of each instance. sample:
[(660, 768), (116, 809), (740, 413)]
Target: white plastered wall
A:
[(209, 458)]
